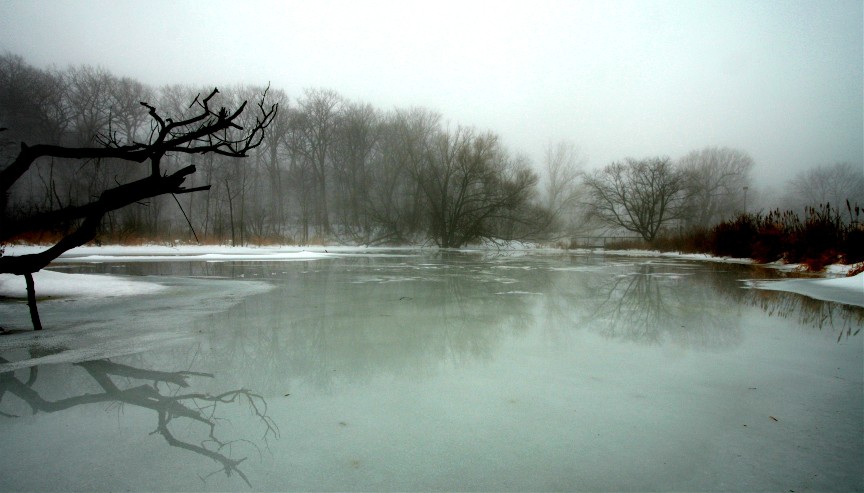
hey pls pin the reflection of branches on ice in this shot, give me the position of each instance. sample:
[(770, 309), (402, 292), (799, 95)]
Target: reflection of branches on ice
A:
[(161, 396)]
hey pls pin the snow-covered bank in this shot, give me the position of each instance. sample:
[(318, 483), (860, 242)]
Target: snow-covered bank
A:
[(59, 285), (50, 284), (216, 253)]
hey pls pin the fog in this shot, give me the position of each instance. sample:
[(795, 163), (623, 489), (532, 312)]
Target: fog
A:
[(779, 80)]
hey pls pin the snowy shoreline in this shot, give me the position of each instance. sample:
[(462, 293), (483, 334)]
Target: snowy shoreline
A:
[(831, 287)]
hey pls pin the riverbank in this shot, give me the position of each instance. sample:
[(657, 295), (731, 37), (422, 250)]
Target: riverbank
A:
[(832, 284)]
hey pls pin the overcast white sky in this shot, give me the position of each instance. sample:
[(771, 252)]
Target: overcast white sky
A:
[(783, 80)]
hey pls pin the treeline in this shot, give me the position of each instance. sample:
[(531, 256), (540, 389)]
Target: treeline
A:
[(699, 206), (328, 169)]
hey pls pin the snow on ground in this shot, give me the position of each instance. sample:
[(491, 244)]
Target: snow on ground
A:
[(59, 285), (217, 253)]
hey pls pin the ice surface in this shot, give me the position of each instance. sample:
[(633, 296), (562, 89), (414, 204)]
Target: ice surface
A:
[(573, 372)]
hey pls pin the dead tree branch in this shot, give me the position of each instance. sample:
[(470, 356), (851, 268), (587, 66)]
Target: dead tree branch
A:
[(208, 130)]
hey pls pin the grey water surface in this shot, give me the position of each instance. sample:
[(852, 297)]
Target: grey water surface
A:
[(435, 370)]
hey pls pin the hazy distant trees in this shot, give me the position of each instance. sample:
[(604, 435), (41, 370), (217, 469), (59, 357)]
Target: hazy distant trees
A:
[(562, 166), (640, 196), (647, 196), (396, 203), (276, 198), (830, 184), (327, 169), (357, 131), (473, 189), (32, 103), (314, 124), (715, 180)]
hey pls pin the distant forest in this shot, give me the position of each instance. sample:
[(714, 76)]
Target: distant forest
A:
[(331, 170)]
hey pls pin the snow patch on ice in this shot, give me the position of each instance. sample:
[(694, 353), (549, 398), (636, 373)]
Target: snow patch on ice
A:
[(59, 285)]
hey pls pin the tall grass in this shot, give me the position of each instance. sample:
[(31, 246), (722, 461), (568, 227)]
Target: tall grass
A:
[(821, 237)]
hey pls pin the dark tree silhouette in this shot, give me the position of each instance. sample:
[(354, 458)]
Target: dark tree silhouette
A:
[(206, 131), (639, 196), (474, 190)]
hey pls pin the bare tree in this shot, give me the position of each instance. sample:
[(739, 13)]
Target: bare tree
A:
[(313, 136), (395, 203), (207, 131), (563, 163), (639, 196), (715, 179), (274, 138), (356, 136), (32, 106), (471, 186), (32, 101)]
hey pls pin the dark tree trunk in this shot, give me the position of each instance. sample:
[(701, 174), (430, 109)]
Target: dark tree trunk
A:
[(231, 212), (31, 302)]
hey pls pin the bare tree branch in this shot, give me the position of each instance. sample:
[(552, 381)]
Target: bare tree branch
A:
[(207, 131)]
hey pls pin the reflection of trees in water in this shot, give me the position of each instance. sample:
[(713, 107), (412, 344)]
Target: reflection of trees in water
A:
[(351, 320), (695, 305), (165, 395), (654, 304), (692, 305), (846, 320)]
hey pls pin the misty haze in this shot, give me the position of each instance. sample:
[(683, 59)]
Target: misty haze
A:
[(382, 245)]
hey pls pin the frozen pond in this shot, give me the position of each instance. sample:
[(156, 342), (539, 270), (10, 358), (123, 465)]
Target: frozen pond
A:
[(413, 370)]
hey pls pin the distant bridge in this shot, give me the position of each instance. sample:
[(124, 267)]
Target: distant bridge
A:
[(600, 241)]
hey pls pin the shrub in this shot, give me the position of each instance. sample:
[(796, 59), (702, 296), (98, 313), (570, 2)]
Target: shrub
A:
[(823, 237), (853, 241), (817, 239), (733, 238)]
